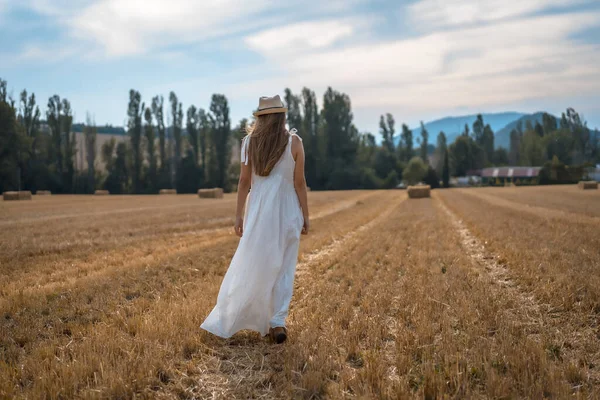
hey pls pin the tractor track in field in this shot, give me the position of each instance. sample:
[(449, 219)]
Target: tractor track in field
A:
[(487, 262)]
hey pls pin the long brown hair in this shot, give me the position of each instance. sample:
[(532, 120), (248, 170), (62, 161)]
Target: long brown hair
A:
[(268, 142)]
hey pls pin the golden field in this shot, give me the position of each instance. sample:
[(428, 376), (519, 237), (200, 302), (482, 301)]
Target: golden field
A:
[(473, 293)]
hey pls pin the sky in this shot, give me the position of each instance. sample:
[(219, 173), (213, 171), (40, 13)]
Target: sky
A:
[(419, 59)]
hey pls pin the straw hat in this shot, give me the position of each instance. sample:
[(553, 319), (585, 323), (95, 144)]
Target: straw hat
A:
[(270, 105)]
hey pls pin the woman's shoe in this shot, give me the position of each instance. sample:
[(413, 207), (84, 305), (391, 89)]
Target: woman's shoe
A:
[(278, 334)]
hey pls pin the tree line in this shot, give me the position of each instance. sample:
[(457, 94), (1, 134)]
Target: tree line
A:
[(550, 143), (167, 148)]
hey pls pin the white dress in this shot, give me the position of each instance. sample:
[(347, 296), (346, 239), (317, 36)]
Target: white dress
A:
[(257, 288)]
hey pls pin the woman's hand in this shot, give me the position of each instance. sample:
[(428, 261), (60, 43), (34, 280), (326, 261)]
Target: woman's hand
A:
[(239, 226), (305, 226)]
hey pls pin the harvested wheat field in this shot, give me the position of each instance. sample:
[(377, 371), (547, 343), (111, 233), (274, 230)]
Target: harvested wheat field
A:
[(472, 293)]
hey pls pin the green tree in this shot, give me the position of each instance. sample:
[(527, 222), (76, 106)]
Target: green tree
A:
[(487, 142), (532, 149), (478, 127), (309, 132), (539, 129), (158, 112), (152, 172), (446, 170), (9, 142), (515, 147), (29, 122), (406, 152), (117, 181), (340, 138), (294, 105), (387, 131), (500, 157), (465, 155), (192, 131), (177, 127), (69, 147), (220, 134), (203, 136), (134, 127), (415, 171), (549, 123), (424, 142), (431, 178), (90, 133), (54, 117), (442, 146)]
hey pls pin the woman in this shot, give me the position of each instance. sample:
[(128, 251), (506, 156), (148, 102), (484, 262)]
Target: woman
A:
[(257, 288)]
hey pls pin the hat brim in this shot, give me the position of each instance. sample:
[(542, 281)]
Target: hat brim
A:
[(274, 110)]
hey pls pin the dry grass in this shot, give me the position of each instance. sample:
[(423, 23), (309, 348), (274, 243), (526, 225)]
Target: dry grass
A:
[(167, 191), (393, 299), (101, 192), (43, 193)]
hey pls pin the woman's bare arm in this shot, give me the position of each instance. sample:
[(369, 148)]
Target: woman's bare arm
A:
[(300, 180), (242, 193)]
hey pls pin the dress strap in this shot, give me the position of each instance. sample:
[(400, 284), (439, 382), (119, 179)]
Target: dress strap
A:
[(244, 156), (294, 132)]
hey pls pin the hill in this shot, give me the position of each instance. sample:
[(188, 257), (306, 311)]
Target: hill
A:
[(454, 126), (503, 135)]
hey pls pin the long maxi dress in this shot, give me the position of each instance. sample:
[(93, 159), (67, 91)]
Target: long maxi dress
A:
[(257, 288)]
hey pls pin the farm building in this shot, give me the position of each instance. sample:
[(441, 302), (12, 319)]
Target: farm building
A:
[(510, 175)]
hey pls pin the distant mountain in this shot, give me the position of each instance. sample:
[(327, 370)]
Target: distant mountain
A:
[(454, 126), (503, 135)]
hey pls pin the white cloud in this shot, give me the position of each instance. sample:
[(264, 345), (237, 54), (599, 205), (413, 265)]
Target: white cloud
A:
[(303, 36), (139, 26), (428, 14), (488, 65)]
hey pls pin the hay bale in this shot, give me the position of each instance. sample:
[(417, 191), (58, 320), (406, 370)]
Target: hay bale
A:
[(43, 193), (215, 193), (101, 192), (167, 191), (419, 192), (587, 185), (22, 195)]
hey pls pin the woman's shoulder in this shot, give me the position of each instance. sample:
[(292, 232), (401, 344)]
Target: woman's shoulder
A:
[(294, 134)]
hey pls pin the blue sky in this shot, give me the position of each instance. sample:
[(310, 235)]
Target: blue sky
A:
[(421, 59)]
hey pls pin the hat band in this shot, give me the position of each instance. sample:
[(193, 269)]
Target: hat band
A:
[(269, 108)]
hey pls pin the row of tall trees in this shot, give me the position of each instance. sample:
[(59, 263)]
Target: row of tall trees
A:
[(191, 154), (32, 157), (165, 147), (39, 153)]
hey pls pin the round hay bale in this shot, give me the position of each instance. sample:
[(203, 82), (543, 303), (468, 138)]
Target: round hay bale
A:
[(588, 185), (167, 191), (22, 195), (419, 192), (43, 193), (101, 192), (215, 193)]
